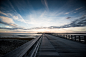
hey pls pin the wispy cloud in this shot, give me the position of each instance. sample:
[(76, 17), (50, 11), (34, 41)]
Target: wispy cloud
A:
[(76, 23), (81, 22), (78, 8), (45, 3), (68, 17), (67, 13), (3, 13), (10, 24), (6, 19), (12, 6), (49, 14), (14, 16), (14, 28)]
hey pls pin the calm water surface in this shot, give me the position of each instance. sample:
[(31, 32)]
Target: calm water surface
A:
[(27, 35)]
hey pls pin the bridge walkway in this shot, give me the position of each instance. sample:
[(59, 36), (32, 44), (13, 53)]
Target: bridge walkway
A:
[(46, 49), (52, 46)]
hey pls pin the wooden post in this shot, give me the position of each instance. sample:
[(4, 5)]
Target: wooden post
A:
[(57, 34), (85, 39), (79, 39), (66, 36), (61, 35), (75, 37), (71, 37)]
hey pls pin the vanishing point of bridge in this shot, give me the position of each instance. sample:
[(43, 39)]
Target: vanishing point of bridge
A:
[(49, 46)]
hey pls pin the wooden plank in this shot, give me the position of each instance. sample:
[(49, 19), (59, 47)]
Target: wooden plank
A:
[(68, 48), (46, 49)]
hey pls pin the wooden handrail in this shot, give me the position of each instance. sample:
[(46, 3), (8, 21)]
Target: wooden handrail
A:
[(71, 36), (22, 50)]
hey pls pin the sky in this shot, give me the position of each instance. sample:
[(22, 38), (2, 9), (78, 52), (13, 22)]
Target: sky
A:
[(32, 16)]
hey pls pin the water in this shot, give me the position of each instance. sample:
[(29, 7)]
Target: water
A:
[(76, 34), (20, 35)]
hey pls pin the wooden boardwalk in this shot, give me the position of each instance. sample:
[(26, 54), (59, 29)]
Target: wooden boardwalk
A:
[(47, 49), (52, 46), (49, 46)]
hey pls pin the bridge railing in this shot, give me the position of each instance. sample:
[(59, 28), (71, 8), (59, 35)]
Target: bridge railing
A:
[(75, 37), (28, 49)]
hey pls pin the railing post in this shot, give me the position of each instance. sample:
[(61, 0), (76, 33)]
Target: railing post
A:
[(75, 37), (79, 39), (63, 36), (66, 36), (71, 37), (85, 39)]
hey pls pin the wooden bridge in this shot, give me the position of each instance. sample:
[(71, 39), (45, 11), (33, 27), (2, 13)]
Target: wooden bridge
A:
[(50, 46)]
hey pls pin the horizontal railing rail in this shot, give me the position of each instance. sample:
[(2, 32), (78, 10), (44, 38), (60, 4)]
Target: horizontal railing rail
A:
[(75, 37), (28, 49)]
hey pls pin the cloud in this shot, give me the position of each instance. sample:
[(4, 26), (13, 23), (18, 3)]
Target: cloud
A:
[(10, 24), (59, 14), (3, 13), (21, 18), (7, 26), (81, 22), (15, 17), (45, 3), (9, 21), (67, 13), (11, 6), (6, 19), (14, 28), (68, 17), (78, 8), (74, 12)]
